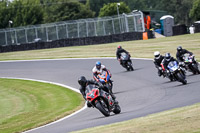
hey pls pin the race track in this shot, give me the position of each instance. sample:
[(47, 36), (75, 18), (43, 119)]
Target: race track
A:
[(140, 92)]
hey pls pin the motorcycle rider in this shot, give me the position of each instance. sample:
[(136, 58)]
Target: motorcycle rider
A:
[(167, 59), (83, 82), (180, 52), (157, 61), (118, 54), (179, 55), (98, 69)]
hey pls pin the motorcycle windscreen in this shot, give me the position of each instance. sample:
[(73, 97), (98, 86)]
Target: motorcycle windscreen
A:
[(172, 66), (91, 93), (187, 58), (124, 56)]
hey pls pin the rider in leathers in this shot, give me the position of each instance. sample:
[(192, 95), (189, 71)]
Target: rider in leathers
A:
[(83, 82), (118, 54), (166, 61), (98, 69), (179, 55), (180, 52), (157, 61)]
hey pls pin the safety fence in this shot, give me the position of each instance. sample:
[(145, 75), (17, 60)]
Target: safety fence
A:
[(105, 26)]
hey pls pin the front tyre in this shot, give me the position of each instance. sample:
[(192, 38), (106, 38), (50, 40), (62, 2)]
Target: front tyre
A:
[(195, 69), (181, 78), (117, 109), (103, 108)]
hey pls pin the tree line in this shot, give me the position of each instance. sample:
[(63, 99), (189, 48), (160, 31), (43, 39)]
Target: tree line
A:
[(31, 12)]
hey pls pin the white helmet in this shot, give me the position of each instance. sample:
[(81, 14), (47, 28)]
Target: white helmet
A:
[(157, 54)]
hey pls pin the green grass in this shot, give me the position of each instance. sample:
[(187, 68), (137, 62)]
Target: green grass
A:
[(29, 104), (181, 120), (138, 49)]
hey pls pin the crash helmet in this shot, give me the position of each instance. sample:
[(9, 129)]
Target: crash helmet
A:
[(157, 54), (98, 65), (119, 47), (179, 48), (82, 81), (167, 56)]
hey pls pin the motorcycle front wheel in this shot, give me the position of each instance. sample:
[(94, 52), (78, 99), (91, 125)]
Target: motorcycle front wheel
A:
[(117, 109), (181, 78), (103, 108), (195, 69), (130, 66)]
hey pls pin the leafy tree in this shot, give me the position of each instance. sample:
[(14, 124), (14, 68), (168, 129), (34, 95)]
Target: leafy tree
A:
[(137, 4), (96, 5), (28, 12), (21, 12), (67, 11), (195, 11), (5, 14), (179, 9), (111, 9)]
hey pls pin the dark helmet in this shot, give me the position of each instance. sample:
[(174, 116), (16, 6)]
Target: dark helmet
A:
[(157, 54), (119, 47), (168, 56), (82, 81), (98, 65), (179, 48)]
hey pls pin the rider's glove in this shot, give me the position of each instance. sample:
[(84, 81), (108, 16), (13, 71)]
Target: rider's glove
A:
[(167, 71)]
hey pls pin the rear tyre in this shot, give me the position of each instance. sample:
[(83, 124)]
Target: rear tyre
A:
[(103, 108), (117, 109)]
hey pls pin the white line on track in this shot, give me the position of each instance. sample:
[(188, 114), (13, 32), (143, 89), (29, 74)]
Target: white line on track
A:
[(71, 59)]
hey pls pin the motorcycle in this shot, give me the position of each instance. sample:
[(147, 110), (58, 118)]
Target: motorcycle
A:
[(176, 73), (126, 63), (104, 78), (101, 100), (189, 64)]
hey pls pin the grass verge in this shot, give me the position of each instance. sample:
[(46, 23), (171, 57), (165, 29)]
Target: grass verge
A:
[(28, 104), (138, 49), (181, 120)]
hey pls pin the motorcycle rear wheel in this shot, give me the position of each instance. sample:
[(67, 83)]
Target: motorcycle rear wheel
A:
[(102, 109)]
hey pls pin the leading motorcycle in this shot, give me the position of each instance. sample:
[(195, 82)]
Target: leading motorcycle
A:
[(101, 100), (125, 61)]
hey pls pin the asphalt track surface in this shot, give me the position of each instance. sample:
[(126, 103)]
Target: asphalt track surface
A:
[(140, 92)]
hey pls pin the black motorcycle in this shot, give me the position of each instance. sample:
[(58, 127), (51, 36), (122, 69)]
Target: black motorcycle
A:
[(126, 62), (189, 63)]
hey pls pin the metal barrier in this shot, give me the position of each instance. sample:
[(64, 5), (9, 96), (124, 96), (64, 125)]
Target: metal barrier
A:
[(132, 22)]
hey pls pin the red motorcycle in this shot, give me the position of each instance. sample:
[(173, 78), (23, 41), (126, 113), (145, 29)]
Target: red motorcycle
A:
[(102, 100)]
